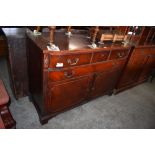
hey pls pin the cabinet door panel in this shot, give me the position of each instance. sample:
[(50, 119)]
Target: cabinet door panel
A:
[(150, 63), (104, 82), (64, 95), (133, 69)]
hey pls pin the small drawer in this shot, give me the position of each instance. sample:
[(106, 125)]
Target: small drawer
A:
[(117, 54), (100, 56), (69, 60)]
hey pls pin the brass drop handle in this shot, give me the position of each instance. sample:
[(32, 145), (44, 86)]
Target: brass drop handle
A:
[(72, 63), (69, 74), (120, 55)]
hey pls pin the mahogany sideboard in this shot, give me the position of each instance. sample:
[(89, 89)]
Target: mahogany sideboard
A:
[(138, 67), (61, 80), (17, 60), (141, 60)]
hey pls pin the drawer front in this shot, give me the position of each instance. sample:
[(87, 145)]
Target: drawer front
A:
[(118, 54), (100, 56), (69, 60), (67, 74)]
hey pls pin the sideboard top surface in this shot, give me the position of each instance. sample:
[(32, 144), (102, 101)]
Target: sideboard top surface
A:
[(78, 41)]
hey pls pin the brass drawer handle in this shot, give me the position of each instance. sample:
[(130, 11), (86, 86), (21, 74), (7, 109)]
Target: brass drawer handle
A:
[(74, 62), (120, 55), (69, 74)]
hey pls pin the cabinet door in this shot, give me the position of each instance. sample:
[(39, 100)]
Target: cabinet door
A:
[(150, 63), (133, 69), (67, 94), (104, 82)]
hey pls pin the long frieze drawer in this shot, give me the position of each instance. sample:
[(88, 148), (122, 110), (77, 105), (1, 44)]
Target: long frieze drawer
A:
[(119, 53), (100, 56), (69, 60), (70, 73)]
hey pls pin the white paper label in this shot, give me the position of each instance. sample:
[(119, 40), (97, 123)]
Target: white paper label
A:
[(129, 32), (59, 65), (53, 48)]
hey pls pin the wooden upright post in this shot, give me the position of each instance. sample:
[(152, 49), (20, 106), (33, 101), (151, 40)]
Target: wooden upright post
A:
[(52, 31), (38, 28), (68, 29), (95, 34)]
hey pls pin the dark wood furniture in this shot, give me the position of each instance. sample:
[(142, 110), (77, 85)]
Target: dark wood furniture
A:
[(138, 68), (6, 119), (17, 60), (3, 44), (113, 33), (141, 60), (61, 80)]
